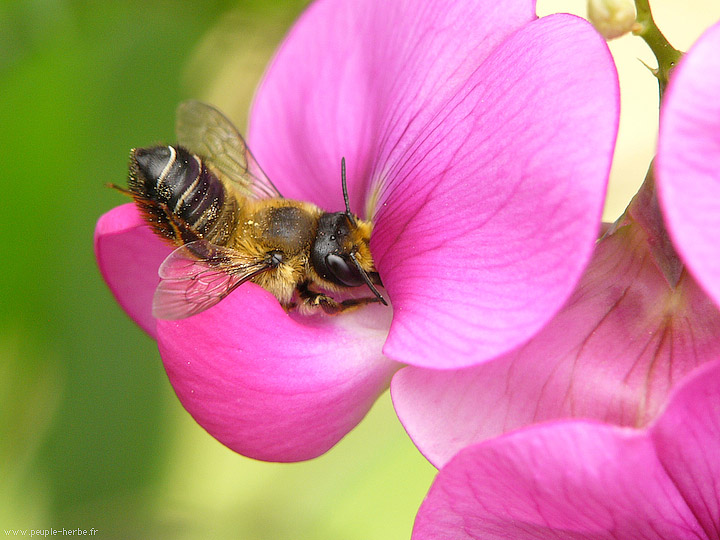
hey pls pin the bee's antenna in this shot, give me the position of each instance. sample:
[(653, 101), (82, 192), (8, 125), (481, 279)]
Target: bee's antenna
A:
[(367, 279), (120, 189), (345, 193)]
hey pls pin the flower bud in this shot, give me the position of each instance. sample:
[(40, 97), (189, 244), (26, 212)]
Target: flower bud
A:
[(612, 18)]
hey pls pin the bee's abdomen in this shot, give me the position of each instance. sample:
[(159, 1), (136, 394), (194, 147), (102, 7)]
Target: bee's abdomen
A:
[(182, 198)]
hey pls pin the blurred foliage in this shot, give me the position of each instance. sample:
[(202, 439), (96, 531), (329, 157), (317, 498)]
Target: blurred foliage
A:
[(91, 434)]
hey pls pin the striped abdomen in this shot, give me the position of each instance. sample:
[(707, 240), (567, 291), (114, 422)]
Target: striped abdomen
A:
[(180, 196)]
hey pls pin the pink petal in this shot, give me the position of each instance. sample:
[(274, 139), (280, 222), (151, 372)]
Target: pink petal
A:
[(688, 162), (272, 386), (349, 75), (486, 140), (582, 480), (687, 438), (129, 255), (493, 245), (574, 481), (267, 385), (613, 353)]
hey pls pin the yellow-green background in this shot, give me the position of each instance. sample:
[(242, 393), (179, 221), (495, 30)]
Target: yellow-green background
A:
[(91, 434)]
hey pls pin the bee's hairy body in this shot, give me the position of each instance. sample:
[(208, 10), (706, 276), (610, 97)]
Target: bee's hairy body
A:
[(186, 199)]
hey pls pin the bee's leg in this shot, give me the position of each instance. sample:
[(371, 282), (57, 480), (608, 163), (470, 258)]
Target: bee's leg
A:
[(311, 299)]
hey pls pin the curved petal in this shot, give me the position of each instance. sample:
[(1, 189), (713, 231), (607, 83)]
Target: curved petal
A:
[(613, 353), (582, 480), (482, 139), (129, 255), (687, 438), (270, 386), (481, 255), (349, 76), (688, 161)]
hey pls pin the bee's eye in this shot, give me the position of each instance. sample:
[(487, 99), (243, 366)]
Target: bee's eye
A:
[(344, 272)]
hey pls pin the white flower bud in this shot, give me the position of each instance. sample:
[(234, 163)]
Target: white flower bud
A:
[(612, 18)]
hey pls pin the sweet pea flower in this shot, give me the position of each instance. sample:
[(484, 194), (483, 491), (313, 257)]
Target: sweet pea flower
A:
[(637, 323), (587, 480), (478, 139)]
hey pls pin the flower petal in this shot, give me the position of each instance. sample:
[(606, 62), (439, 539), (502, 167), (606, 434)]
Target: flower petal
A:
[(613, 353), (129, 255), (574, 481), (494, 241), (687, 438), (273, 386), (688, 161), (349, 75), (483, 138), (583, 480)]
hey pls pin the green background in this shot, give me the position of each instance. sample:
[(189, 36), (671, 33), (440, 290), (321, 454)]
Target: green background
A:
[(91, 434)]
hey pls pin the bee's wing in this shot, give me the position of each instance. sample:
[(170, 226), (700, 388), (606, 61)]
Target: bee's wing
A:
[(207, 132), (196, 276)]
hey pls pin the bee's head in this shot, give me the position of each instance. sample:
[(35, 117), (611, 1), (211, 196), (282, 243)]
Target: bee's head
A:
[(341, 251)]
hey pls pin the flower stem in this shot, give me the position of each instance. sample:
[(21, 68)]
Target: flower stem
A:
[(667, 56)]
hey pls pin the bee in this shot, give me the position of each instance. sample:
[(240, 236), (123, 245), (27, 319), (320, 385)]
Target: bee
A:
[(208, 196)]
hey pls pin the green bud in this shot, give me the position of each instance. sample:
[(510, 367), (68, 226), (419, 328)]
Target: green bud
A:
[(612, 18)]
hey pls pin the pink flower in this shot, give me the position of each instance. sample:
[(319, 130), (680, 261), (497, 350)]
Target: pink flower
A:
[(637, 330), (478, 138), (635, 326), (587, 480)]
